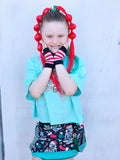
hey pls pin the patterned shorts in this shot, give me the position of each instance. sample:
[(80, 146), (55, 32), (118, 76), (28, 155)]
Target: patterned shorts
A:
[(56, 138)]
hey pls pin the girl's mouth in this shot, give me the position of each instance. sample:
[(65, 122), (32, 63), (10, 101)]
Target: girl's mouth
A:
[(58, 46), (54, 49)]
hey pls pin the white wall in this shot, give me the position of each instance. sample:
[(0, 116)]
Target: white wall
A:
[(98, 35)]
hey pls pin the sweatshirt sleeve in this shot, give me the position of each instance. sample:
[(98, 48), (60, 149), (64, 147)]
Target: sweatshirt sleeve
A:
[(30, 76), (79, 76)]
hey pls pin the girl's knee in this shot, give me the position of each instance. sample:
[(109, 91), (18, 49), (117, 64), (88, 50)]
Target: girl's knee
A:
[(36, 158)]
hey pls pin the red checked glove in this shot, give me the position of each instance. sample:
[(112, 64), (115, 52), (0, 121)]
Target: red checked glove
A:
[(49, 58), (58, 57)]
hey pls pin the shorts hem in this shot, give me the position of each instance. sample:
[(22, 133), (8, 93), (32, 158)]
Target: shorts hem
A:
[(55, 155)]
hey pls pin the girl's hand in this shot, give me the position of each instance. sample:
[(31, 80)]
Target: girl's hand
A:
[(58, 57), (61, 53), (49, 59), (48, 56)]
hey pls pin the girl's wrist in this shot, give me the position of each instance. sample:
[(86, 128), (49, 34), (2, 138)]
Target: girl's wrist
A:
[(49, 65), (58, 62)]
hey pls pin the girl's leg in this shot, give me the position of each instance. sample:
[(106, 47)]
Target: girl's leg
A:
[(36, 158), (69, 159)]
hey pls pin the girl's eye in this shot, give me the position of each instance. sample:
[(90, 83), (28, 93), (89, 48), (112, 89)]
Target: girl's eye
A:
[(49, 36), (60, 36)]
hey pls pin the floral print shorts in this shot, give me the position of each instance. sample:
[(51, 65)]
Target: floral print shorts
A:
[(60, 137)]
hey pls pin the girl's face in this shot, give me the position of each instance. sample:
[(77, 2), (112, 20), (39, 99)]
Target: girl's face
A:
[(54, 35)]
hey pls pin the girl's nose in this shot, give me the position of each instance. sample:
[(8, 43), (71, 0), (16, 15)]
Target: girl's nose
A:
[(55, 40)]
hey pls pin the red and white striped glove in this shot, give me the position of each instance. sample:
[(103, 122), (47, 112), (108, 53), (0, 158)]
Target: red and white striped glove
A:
[(58, 57), (49, 58)]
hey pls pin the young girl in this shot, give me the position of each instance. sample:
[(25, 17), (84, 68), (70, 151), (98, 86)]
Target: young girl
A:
[(54, 81)]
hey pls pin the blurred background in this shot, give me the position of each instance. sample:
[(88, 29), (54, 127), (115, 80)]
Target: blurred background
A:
[(97, 42)]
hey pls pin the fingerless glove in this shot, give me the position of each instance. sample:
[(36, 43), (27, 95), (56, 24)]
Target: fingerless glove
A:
[(49, 58), (58, 57)]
